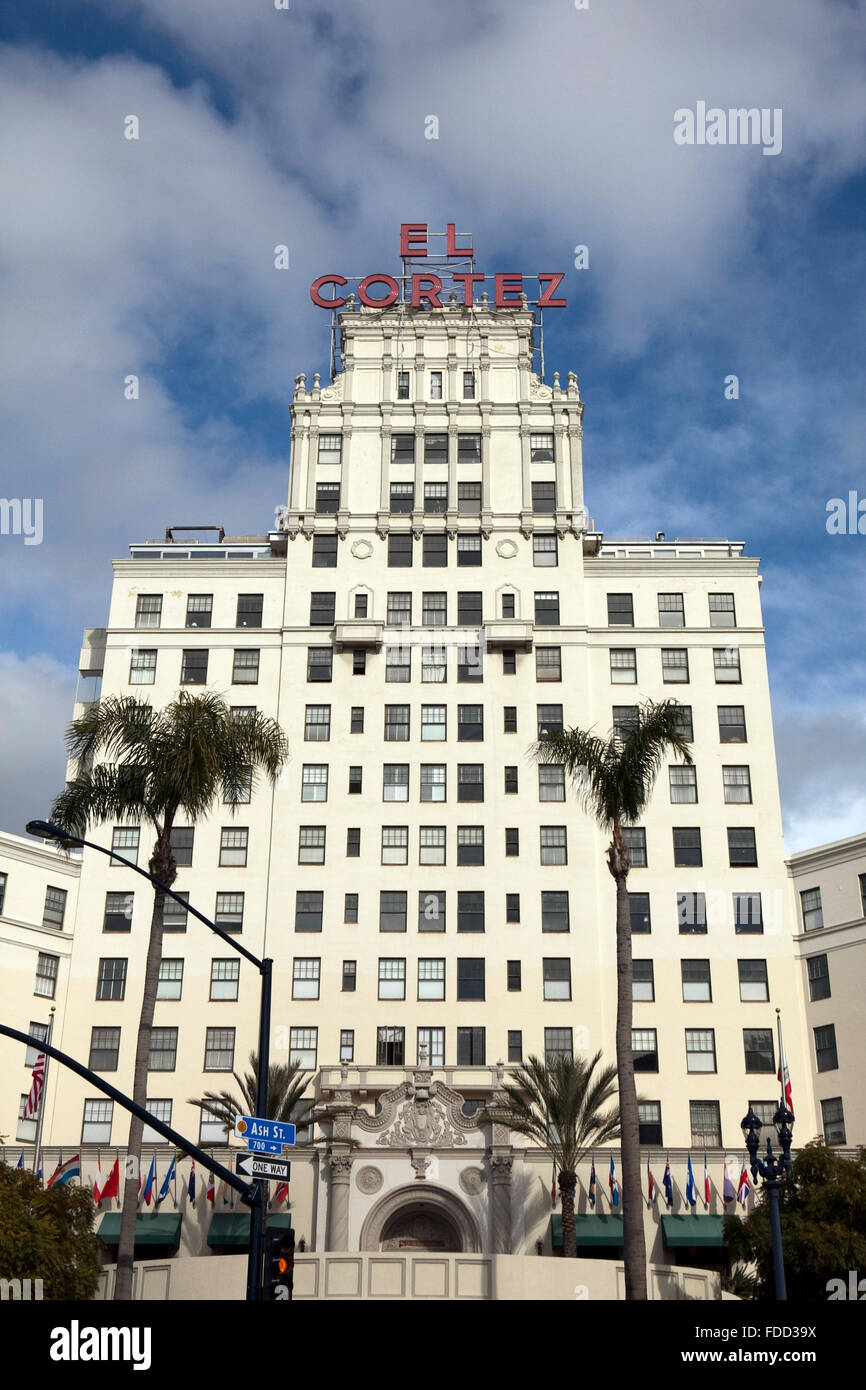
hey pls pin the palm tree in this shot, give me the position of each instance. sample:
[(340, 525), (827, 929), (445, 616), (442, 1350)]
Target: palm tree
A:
[(153, 765), (558, 1104), (614, 778), (286, 1086)]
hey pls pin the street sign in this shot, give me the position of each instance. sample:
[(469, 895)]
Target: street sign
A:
[(275, 1131), (267, 1169), (265, 1146)]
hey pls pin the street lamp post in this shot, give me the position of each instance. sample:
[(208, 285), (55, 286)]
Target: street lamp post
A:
[(772, 1169), (48, 830)]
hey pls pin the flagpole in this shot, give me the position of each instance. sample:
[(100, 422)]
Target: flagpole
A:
[(41, 1115)]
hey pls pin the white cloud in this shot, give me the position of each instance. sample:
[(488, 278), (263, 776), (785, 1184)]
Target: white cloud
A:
[(36, 697)]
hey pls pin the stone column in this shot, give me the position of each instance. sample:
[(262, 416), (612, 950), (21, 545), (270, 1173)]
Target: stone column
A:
[(312, 464), (338, 1200), (500, 1195)]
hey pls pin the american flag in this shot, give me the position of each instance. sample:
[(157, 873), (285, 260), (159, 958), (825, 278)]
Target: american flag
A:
[(31, 1104)]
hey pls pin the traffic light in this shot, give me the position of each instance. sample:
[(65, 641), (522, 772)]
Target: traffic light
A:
[(279, 1267)]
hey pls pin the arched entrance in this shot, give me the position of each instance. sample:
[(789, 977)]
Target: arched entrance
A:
[(409, 1220)]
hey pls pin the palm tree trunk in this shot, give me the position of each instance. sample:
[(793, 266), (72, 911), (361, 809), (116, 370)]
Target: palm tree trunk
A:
[(634, 1244), (163, 866), (567, 1185)]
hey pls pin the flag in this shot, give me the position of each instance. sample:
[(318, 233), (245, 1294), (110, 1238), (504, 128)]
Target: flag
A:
[(613, 1184), (39, 1169), (210, 1194), (64, 1171), (21, 1161), (225, 1193), (191, 1185), (31, 1104), (97, 1181), (591, 1195), (691, 1189), (112, 1183), (706, 1182), (744, 1188), (667, 1184), (282, 1193), (151, 1179), (652, 1190), (783, 1074), (166, 1182), (553, 1188), (729, 1191)]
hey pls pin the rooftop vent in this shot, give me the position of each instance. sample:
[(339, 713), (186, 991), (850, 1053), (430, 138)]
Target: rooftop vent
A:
[(170, 530)]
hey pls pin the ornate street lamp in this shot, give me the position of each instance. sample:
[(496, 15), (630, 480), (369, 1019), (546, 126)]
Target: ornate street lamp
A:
[(772, 1169)]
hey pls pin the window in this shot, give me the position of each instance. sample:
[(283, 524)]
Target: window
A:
[(435, 499), (706, 1125), (547, 609), (692, 913), (510, 780), (303, 1045), (161, 1110), (96, 1125), (732, 724), (219, 1049), (470, 977), (649, 1116), (361, 605), (431, 979), (818, 969), (469, 609), (392, 910), (671, 610), (395, 844), (330, 448), (544, 550), (469, 386), (403, 387), (471, 1050), (470, 844), (558, 1043), (548, 663), (396, 723), (553, 844), (110, 981), (104, 1049), (620, 610), (515, 1045), (229, 911), (242, 793), (833, 1119), (314, 782), (468, 502), (557, 977), (170, 983), (322, 608), (635, 839), (359, 662), (544, 498), (512, 907), (3, 880), (687, 847), (645, 1051), (469, 448), (435, 448), (470, 723), (741, 847), (395, 782), (356, 724), (468, 548), (433, 723), (508, 605), (685, 726), (118, 912), (250, 607), (400, 550), (347, 1044), (431, 910), (325, 553), (317, 724), (623, 666), (402, 498), (353, 842), (435, 386), (350, 976), (549, 720), (193, 668), (142, 667), (399, 610), (513, 976), (403, 448), (327, 499), (434, 665), (555, 911), (434, 609), (306, 972), (697, 985), (224, 979), (398, 663), (199, 610), (308, 910), (625, 720), (46, 975), (148, 610), (311, 844), (431, 844), (826, 1056), (754, 985), (469, 664), (433, 782), (434, 550), (862, 878), (810, 906), (700, 1049), (431, 1047), (512, 842), (639, 912), (234, 843), (765, 1110), (174, 914), (55, 908), (390, 1047), (675, 665), (726, 664), (181, 840), (737, 784), (684, 784), (470, 782), (758, 1047), (643, 989), (722, 610), (320, 661), (541, 448), (163, 1049)]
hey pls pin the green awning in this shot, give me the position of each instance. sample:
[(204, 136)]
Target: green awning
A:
[(161, 1229), (591, 1229), (679, 1231), (233, 1227)]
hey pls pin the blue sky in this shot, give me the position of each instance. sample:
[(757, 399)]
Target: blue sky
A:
[(307, 127)]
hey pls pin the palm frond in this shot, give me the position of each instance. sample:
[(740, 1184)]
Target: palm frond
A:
[(557, 1105)]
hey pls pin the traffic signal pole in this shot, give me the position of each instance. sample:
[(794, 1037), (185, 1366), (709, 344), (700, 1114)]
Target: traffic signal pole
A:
[(257, 1209)]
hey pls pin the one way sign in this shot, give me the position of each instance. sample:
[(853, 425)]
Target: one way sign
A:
[(259, 1166)]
